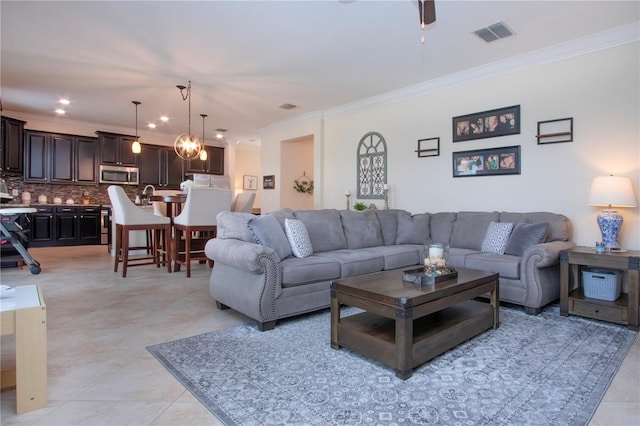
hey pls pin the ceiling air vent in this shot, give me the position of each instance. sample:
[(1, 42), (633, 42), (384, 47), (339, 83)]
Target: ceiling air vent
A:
[(221, 130), (288, 106), (494, 32)]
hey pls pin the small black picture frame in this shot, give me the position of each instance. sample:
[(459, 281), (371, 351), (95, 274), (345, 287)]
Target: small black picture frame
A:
[(269, 182), (487, 162), (429, 147), (487, 124)]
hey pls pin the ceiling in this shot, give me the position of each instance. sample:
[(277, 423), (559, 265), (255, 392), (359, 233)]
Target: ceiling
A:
[(246, 58)]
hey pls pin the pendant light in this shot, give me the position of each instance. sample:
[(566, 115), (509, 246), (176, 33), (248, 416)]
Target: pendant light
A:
[(136, 148), (187, 146), (203, 153)]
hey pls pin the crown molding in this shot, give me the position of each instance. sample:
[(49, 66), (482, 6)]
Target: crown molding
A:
[(581, 46)]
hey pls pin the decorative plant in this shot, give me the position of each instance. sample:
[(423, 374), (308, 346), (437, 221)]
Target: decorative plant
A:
[(359, 206)]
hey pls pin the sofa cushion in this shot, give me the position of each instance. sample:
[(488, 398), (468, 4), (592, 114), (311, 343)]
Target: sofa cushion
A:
[(233, 225), (559, 225), (441, 226), (413, 229), (505, 265), (268, 232), (281, 215), (495, 240), (297, 271), (356, 262), (525, 235), (325, 229), (470, 227), (298, 238), (362, 229), (389, 224), (457, 256), (400, 256)]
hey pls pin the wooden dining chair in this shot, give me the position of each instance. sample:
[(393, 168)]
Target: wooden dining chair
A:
[(196, 224), (129, 217)]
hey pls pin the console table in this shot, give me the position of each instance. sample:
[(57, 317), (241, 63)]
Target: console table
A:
[(24, 315), (624, 310)]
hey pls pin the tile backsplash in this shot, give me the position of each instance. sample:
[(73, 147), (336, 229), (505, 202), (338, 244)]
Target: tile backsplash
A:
[(97, 193)]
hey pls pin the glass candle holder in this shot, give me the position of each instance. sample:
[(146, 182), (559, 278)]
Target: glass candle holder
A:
[(436, 255)]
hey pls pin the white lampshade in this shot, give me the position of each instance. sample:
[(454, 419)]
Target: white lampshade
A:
[(614, 191)]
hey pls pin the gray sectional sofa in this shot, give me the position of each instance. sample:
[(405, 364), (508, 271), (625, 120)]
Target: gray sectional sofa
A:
[(256, 274)]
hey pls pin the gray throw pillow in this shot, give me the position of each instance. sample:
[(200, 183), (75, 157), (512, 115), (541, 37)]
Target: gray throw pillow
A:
[(267, 231), (525, 235)]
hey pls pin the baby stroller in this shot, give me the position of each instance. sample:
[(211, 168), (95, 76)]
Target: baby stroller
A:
[(14, 234)]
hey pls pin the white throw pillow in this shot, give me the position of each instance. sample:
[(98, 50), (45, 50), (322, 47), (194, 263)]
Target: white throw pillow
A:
[(495, 240), (298, 238)]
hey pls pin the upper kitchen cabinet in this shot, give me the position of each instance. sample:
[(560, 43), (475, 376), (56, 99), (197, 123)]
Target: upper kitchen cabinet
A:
[(214, 164), (115, 149), (56, 158), (161, 167), (11, 160)]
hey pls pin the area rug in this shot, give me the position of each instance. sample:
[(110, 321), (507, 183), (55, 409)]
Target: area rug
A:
[(543, 369)]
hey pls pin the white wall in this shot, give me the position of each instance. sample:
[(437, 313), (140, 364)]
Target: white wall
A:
[(296, 162), (599, 90), (247, 163)]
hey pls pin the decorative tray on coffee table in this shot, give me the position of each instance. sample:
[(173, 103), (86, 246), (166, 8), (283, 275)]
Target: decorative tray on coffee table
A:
[(420, 276)]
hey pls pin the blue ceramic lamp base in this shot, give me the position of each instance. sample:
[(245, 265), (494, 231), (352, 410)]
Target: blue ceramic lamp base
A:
[(610, 223)]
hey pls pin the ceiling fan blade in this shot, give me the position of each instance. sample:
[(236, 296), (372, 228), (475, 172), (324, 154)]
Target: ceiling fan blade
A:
[(427, 11)]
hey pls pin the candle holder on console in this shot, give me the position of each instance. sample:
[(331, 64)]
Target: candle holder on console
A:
[(348, 195), (435, 268)]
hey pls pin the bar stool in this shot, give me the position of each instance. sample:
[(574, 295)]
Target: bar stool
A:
[(198, 216), (243, 202), (129, 217)]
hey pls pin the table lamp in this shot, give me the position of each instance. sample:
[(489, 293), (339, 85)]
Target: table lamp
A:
[(611, 191)]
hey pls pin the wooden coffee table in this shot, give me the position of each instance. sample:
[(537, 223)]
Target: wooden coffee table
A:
[(404, 324)]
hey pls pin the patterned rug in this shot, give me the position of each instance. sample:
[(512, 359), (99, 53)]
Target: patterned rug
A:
[(543, 369)]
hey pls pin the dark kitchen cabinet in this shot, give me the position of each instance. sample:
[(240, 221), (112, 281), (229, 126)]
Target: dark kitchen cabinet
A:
[(77, 225), (115, 149), (56, 158), (42, 227), (65, 226), (11, 145), (214, 164), (161, 167)]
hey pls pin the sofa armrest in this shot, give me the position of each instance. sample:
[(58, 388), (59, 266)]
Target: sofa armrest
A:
[(240, 254), (540, 272), (545, 254)]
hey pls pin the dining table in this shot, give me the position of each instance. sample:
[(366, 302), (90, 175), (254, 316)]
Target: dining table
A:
[(174, 203)]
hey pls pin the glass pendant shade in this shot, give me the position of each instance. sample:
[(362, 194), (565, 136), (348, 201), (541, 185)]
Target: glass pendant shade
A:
[(187, 146), (136, 148), (204, 155)]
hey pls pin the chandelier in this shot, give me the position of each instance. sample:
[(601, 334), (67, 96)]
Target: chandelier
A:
[(187, 146), (136, 148)]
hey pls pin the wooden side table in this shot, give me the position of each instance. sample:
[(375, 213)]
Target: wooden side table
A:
[(25, 316), (624, 310)]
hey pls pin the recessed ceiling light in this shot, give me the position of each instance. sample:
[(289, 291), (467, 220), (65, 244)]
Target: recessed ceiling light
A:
[(219, 135), (152, 125), (64, 101), (60, 111), (164, 118)]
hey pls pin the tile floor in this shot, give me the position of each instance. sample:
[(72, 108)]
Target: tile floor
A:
[(99, 372)]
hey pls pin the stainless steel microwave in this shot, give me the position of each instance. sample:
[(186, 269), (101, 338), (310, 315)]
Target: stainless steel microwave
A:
[(119, 175)]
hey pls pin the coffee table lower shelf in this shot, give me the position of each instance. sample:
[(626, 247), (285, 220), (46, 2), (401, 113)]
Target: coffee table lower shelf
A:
[(374, 336)]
